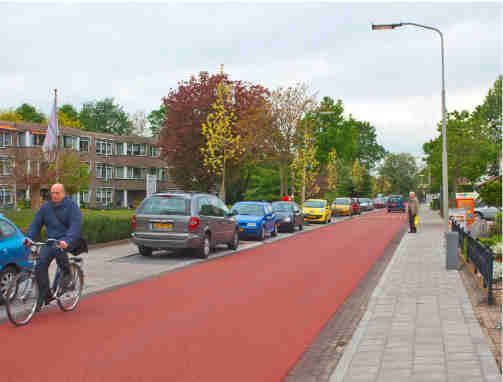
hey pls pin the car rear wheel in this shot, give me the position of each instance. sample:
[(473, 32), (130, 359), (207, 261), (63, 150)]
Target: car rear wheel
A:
[(261, 235), (204, 250), (234, 244), (301, 227), (275, 230), (145, 251), (7, 276)]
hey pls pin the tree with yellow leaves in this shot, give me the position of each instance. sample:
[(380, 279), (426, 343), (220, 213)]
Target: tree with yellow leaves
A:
[(332, 176), (357, 176), (304, 165), (221, 143)]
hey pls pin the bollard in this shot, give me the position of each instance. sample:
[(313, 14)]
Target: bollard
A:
[(451, 261)]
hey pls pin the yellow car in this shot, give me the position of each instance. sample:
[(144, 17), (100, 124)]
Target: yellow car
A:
[(317, 210), (342, 206)]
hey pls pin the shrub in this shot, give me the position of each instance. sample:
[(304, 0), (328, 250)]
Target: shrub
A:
[(99, 228)]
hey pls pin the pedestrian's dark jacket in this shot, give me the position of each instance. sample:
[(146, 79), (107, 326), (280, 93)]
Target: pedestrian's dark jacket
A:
[(67, 230)]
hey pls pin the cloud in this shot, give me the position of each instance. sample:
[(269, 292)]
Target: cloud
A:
[(137, 53)]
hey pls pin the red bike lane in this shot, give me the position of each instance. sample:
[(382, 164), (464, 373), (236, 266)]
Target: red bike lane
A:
[(246, 317)]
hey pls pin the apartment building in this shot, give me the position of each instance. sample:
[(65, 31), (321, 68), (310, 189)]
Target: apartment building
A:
[(118, 165)]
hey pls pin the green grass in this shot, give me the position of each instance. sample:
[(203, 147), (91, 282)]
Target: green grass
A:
[(23, 218)]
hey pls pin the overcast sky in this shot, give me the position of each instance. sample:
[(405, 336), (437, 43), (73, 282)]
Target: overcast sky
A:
[(137, 53)]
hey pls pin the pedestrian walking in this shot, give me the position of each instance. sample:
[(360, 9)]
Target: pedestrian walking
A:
[(412, 209)]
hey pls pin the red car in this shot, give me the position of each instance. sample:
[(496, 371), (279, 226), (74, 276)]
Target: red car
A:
[(355, 207)]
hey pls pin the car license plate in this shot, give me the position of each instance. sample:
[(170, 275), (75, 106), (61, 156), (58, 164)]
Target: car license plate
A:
[(163, 226)]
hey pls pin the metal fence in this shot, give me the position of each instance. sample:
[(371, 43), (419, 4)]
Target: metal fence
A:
[(478, 254)]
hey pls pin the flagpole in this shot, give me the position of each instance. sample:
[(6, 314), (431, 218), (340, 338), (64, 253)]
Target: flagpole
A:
[(56, 150)]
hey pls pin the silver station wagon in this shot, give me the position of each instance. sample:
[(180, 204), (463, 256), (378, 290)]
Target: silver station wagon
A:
[(182, 220)]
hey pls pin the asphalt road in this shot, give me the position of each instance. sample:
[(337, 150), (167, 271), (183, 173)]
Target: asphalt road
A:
[(245, 317)]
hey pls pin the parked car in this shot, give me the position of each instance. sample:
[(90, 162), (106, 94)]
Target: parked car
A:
[(288, 215), (317, 211), (342, 206), (395, 203), (366, 204), (255, 219), (379, 202), (355, 206), (183, 220), (483, 211), (13, 254)]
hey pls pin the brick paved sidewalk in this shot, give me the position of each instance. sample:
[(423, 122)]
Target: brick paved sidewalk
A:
[(419, 325)]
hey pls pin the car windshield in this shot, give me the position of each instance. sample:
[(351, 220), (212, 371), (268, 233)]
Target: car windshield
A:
[(164, 205), (248, 209), (314, 204), (395, 200), (282, 207), (342, 201)]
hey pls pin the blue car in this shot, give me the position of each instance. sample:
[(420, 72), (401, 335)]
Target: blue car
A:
[(255, 219), (13, 254)]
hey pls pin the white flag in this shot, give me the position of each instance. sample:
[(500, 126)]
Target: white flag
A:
[(51, 138)]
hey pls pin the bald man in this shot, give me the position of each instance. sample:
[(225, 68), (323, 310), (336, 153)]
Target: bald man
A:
[(63, 221)]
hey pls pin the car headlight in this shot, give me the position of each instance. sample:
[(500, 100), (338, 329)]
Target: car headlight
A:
[(251, 224), (287, 219)]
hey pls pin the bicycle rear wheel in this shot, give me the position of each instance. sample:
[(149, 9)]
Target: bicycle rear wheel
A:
[(69, 298), (22, 298)]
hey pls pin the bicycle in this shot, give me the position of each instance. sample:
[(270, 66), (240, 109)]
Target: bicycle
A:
[(22, 295)]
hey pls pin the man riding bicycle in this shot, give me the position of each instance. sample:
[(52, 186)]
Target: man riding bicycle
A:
[(62, 219)]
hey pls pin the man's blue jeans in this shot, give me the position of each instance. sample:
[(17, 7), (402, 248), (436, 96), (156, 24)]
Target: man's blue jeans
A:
[(46, 255)]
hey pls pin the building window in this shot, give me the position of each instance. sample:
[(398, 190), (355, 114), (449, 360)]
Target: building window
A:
[(103, 147), (69, 142), (21, 139), (104, 196), (137, 149), (84, 144), (119, 148), (152, 171), (6, 196), (103, 171), (120, 173), (37, 139), (136, 173), (162, 174), (84, 197), (154, 151), (6, 166), (5, 139), (32, 167)]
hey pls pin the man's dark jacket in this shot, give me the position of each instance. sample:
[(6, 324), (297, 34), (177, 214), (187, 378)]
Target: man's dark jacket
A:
[(67, 229)]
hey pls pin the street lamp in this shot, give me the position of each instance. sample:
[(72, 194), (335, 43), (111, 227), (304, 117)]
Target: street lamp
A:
[(445, 187)]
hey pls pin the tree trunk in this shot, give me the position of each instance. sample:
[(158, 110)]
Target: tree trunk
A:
[(282, 180), (292, 182), (35, 197), (222, 185), (303, 187)]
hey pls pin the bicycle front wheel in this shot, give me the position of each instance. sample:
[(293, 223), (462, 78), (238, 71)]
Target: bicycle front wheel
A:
[(22, 298), (69, 298)]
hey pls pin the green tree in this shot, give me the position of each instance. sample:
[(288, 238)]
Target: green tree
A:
[(469, 152), (264, 182), (156, 119), (399, 170), (490, 192), (69, 170), (221, 143), (29, 113), (105, 116)]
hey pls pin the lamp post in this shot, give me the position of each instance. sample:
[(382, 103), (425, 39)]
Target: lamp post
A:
[(445, 186)]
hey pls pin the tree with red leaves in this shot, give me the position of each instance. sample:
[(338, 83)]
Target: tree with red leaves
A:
[(188, 108)]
